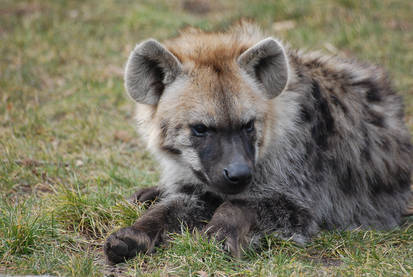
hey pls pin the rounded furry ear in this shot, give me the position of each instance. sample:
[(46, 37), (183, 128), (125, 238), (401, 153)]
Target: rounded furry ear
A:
[(267, 63), (149, 69)]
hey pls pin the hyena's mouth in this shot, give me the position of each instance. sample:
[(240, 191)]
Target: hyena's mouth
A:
[(233, 182), (233, 188)]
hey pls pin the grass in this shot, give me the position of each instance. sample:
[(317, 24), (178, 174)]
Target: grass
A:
[(69, 155)]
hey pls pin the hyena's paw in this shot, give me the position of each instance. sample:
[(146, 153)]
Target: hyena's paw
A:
[(145, 195), (126, 243), (232, 240)]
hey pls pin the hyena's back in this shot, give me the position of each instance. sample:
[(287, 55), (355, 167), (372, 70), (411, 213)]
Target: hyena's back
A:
[(349, 152)]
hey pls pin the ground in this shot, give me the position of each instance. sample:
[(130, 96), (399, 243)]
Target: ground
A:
[(69, 156)]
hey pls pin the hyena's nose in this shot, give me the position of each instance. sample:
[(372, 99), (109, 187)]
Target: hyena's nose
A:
[(238, 174)]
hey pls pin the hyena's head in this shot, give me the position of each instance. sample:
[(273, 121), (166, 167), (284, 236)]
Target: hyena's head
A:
[(205, 103)]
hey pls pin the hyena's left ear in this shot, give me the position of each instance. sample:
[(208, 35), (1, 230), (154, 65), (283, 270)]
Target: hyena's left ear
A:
[(149, 69), (267, 63)]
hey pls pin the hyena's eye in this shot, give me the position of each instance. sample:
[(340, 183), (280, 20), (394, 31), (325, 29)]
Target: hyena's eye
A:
[(249, 127), (199, 130)]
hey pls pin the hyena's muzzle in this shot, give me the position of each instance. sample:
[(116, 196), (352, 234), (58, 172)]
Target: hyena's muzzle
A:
[(227, 157)]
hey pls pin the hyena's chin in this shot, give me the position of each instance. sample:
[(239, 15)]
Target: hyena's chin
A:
[(230, 190)]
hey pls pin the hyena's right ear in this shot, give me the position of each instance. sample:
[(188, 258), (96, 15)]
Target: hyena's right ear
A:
[(267, 63), (149, 69)]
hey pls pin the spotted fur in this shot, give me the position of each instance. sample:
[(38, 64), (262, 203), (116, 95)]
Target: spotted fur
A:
[(330, 148)]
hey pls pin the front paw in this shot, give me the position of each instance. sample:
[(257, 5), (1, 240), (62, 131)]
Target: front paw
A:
[(232, 239), (145, 195), (126, 243)]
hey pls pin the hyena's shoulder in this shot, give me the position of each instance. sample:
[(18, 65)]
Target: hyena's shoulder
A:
[(352, 90), (350, 122)]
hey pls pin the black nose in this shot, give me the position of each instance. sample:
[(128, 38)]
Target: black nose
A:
[(238, 174)]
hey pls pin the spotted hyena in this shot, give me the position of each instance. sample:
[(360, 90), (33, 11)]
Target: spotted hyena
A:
[(254, 138)]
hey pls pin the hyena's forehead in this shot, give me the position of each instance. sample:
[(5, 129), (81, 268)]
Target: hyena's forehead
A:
[(219, 99)]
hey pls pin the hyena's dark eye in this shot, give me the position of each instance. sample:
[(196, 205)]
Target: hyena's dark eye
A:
[(249, 127), (199, 130)]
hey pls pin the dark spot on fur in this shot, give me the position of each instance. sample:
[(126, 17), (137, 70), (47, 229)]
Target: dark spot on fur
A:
[(338, 103), (378, 185), (164, 129), (373, 91), (315, 63), (365, 153), (305, 113), (324, 123), (384, 143), (318, 163), (318, 134), (260, 142), (346, 180), (187, 189), (200, 176), (319, 177), (328, 119), (299, 73), (325, 72), (167, 148), (294, 144), (395, 178), (216, 69), (315, 90), (365, 149), (374, 117), (402, 179), (333, 164), (213, 201), (336, 76), (171, 150), (373, 95), (309, 149)]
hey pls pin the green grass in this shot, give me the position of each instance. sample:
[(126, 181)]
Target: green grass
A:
[(69, 155)]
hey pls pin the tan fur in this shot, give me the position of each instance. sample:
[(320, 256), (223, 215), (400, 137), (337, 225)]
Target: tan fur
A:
[(209, 62), (215, 50)]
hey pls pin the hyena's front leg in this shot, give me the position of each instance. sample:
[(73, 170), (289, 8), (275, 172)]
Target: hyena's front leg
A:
[(288, 216), (231, 224), (166, 216), (234, 221), (146, 195)]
